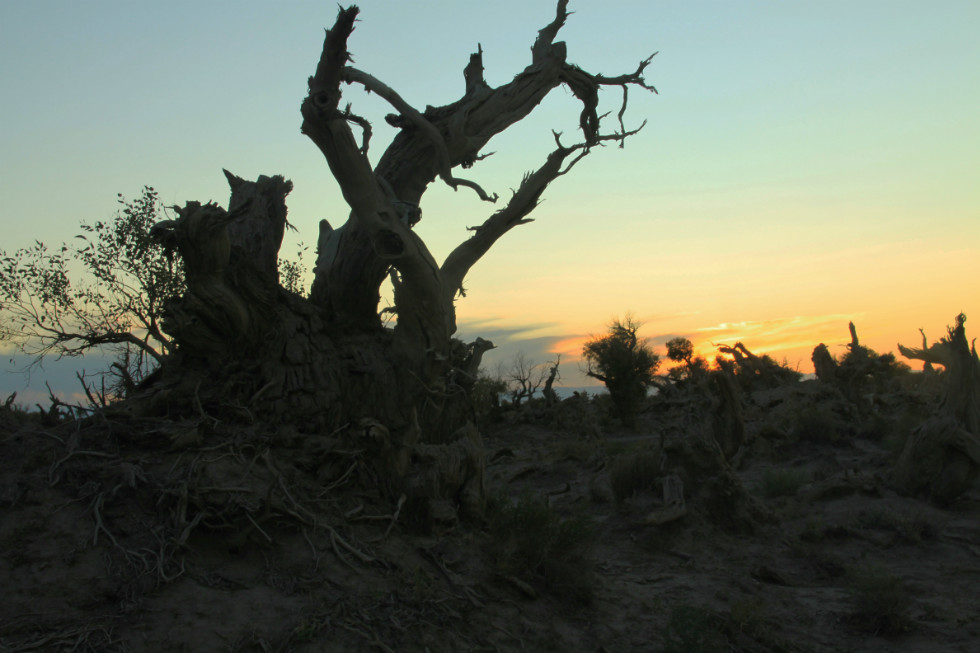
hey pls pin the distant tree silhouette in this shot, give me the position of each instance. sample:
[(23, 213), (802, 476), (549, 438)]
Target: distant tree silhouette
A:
[(550, 396), (681, 350), (754, 372), (107, 289), (524, 378), (625, 364)]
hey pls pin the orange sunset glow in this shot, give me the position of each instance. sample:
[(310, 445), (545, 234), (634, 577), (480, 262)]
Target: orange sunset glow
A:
[(796, 171)]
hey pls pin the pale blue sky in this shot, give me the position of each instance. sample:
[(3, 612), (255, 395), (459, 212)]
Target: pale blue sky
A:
[(805, 163)]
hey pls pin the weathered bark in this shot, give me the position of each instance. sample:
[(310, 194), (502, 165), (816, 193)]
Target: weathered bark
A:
[(942, 457), (245, 346), (356, 258)]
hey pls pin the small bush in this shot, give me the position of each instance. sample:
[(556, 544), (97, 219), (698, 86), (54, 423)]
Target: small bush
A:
[(876, 427), (533, 543), (14, 414), (816, 424), (693, 629), (577, 414), (633, 473), (749, 616), (911, 527), (879, 600), (485, 395), (781, 482)]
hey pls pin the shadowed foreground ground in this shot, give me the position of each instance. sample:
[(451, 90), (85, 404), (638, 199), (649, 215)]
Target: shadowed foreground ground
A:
[(240, 538)]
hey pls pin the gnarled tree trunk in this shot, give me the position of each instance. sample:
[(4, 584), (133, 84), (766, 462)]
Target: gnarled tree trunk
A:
[(245, 346)]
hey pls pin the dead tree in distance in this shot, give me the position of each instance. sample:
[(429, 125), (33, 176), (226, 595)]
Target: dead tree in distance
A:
[(941, 457)]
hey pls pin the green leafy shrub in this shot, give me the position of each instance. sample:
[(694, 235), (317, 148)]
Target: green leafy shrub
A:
[(107, 289)]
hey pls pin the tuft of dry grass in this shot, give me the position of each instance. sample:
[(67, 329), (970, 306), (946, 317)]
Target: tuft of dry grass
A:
[(693, 629), (880, 601), (531, 542), (633, 473), (817, 424), (913, 527), (782, 482)]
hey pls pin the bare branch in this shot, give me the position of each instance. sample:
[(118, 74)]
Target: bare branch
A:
[(635, 78), (525, 199), (473, 73), (369, 82), (545, 42), (363, 124)]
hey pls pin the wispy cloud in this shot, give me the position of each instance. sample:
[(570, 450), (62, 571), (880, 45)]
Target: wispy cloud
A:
[(499, 330), (777, 335)]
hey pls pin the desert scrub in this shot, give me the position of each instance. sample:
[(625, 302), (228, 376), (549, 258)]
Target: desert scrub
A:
[(817, 423), (876, 427), (781, 482), (912, 527), (692, 629), (485, 396), (879, 601), (532, 543), (632, 473), (577, 414)]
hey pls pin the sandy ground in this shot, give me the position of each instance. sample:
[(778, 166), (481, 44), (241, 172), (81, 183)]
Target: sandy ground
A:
[(231, 544)]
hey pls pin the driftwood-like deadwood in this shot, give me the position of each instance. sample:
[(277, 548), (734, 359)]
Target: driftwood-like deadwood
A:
[(942, 456), (245, 347), (356, 258), (753, 371), (232, 281), (860, 374)]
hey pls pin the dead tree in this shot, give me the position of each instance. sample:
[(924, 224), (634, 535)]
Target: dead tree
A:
[(244, 345), (942, 457), (754, 372), (524, 378), (861, 374), (550, 396)]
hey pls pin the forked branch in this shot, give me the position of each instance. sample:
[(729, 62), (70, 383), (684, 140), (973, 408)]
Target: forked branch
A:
[(524, 200), (374, 85)]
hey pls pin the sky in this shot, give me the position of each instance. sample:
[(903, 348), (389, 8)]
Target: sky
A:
[(805, 164)]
